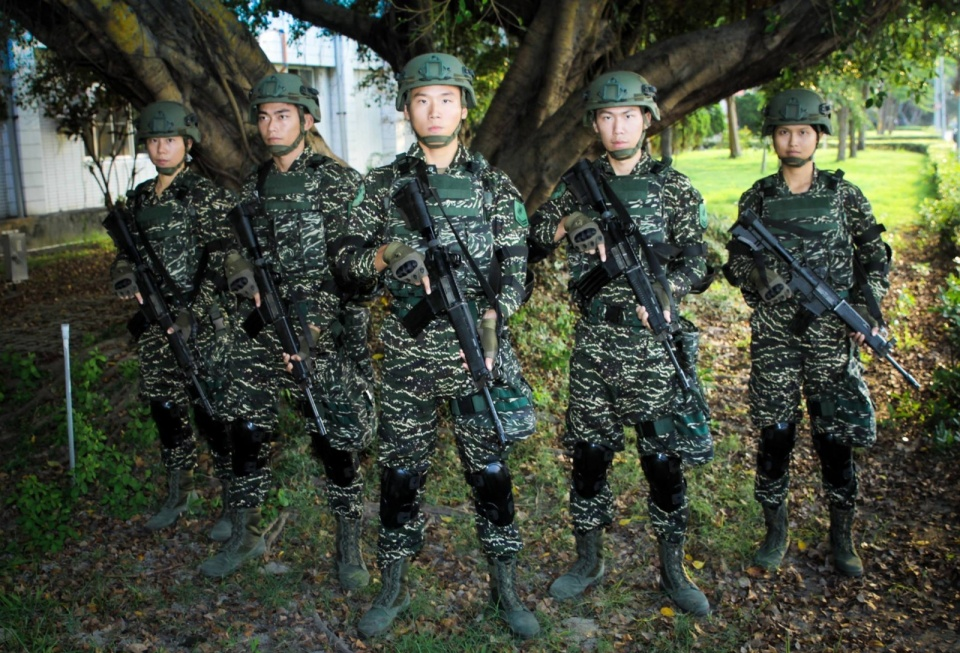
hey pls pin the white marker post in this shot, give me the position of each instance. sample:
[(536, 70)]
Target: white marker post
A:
[(65, 331)]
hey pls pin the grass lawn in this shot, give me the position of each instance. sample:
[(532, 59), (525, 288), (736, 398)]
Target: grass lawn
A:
[(895, 181)]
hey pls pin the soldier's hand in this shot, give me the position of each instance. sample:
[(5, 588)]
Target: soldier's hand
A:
[(124, 281), (858, 337), (585, 234), (406, 264), (664, 300), (488, 338), (771, 287), (240, 278), (185, 325)]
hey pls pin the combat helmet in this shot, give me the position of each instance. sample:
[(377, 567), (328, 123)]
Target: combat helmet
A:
[(287, 88), (167, 119), (619, 88), (797, 106), (432, 69)]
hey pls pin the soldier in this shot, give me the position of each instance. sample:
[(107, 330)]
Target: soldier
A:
[(620, 375), (826, 223), (299, 198), (481, 222), (179, 231)]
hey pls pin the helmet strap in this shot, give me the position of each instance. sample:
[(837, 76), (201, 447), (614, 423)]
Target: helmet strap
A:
[(437, 142), (795, 161), (170, 171), (623, 155), (283, 150)]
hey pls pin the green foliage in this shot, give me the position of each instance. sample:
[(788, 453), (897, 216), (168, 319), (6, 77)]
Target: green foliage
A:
[(749, 111), (942, 215), (695, 128), (22, 371)]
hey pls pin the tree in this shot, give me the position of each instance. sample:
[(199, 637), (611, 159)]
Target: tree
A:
[(733, 128), (543, 53)]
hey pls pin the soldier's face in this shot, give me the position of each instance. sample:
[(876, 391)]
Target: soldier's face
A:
[(620, 128), (798, 141), (279, 123), (435, 110), (166, 151)]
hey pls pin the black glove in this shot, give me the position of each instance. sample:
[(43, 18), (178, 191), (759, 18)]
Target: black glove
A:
[(124, 280), (488, 337), (771, 287)]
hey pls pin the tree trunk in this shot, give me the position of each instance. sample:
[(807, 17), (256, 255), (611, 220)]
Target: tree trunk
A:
[(197, 52), (853, 139), (843, 121), (733, 128), (666, 144)]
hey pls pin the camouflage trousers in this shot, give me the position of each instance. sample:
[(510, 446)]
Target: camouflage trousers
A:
[(344, 399), (162, 380), (621, 376), (414, 388), (822, 364), (772, 492)]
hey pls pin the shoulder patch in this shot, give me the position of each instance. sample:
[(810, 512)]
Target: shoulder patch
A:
[(703, 214), (558, 191), (520, 214), (361, 191)]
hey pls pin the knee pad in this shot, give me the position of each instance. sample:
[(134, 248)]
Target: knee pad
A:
[(217, 433), (665, 476), (398, 495), (249, 447), (776, 444), (836, 461), (590, 464), (341, 466), (173, 423), (493, 493)]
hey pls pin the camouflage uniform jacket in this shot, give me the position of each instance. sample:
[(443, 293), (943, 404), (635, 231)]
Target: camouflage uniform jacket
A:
[(292, 228), (666, 209), (483, 206), (828, 228), (186, 228)]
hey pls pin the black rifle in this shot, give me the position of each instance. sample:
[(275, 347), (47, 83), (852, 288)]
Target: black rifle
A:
[(446, 296), (815, 295), (154, 308), (273, 309), (621, 237)]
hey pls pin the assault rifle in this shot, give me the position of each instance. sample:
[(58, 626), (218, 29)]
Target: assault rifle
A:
[(621, 238), (154, 308), (273, 309), (815, 295), (445, 296)]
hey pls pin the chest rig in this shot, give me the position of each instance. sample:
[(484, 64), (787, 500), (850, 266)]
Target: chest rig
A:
[(465, 211)]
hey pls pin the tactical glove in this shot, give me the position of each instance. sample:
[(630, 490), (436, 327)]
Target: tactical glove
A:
[(406, 263), (584, 234), (239, 272), (185, 325), (305, 346), (488, 337), (771, 287), (662, 296), (864, 312), (124, 280)]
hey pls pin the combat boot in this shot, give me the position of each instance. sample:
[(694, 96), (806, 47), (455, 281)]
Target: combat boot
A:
[(675, 582), (393, 599), (224, 526), (352, 572), (503, 596), (845, 558), (246, 541), (586, 571), (774, 547), (181, 497)]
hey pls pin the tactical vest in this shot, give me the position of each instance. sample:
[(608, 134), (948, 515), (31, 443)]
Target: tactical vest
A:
[(812, 227), (168, 234), (466, 202), (286, 201)]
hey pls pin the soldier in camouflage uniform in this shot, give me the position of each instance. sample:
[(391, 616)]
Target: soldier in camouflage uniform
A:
[(827, 224), (478, 208), (180, 232), (620, 375), (300, 199)]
